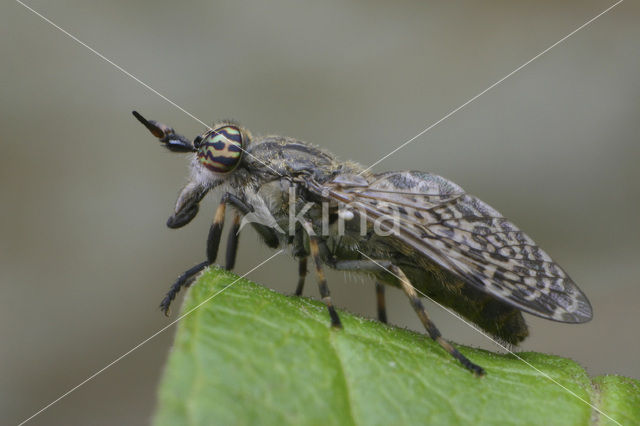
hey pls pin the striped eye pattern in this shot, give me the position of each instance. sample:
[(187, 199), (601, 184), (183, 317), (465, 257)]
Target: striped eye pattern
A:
[(220, 150)]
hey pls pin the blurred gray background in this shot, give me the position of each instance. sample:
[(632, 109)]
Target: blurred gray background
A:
[(85, 256)]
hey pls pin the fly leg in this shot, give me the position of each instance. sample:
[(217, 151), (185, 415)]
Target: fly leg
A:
[(322, 282), (302, 274), (213, 244), (387, 267), (184, 280), (215, 231), (300, 252), (213, 241), (434, 333), (382, 309), (232, 242)]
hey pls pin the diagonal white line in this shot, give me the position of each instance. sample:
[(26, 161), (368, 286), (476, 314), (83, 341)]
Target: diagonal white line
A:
[(113, 63), (455, 314), (450, 113), (196, 307), (76, 39), (146, 340), (383, 158)]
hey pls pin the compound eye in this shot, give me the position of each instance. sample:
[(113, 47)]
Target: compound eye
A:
[(220, 150)]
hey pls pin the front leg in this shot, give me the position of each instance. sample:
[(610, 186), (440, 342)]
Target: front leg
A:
[(232, 242), (213, 242), (183, 280), (215, 231), (214, 237), (187, 205)]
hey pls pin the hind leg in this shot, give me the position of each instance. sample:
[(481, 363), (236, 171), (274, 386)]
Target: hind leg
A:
[(382, 309), (393, 271), (302, 274), (434, 333)]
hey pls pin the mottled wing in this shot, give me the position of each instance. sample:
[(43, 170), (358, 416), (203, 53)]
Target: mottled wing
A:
[(470, 239)]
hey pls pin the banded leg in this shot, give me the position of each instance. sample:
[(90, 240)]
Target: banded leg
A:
[(390, 269), (184, 280), (232, 242), (322, 282), (215, 232), (434, 333), (213, 241), (382, 309), (302, 274)]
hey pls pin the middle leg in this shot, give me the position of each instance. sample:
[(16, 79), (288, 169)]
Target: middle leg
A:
[(322, 282), (232, 242)]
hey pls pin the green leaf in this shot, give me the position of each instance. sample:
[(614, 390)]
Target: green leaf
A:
[(251, 355)]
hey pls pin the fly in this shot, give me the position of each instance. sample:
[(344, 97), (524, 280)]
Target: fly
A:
[(409, 229)]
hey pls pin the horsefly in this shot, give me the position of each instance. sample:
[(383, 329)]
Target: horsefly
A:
[(412, 230)]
